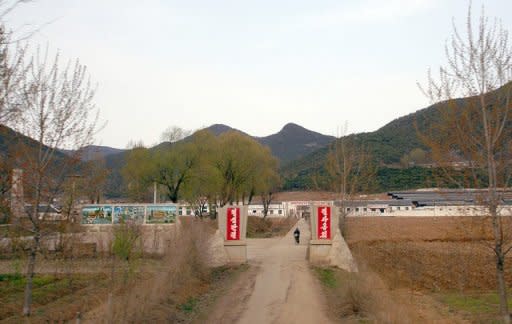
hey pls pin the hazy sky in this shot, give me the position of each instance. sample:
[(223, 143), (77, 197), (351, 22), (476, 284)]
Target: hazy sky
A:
[(254, 65)]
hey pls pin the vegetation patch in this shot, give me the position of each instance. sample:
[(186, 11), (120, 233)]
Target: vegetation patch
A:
[(198, 297), (326, 276), (475, 306), (47, 290), (363, 297), (189, 306), (348, 299)]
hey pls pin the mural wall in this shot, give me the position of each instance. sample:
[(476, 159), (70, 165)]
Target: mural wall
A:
[(139, 214)]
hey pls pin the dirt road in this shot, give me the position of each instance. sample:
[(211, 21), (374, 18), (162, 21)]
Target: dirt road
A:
[(279, 288)]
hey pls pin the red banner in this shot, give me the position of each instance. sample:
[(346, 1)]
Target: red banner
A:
[(324, 223), (233, 224)]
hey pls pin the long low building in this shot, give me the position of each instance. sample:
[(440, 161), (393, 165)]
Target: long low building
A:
[(424, 203)]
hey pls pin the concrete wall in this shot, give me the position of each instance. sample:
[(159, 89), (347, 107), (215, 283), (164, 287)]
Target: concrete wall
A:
[(155, 238)]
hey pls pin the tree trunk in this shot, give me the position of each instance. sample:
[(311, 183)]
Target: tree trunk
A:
[(27, 300), (502, 287), (500, 267)]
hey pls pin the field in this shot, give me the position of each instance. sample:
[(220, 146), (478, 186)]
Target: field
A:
[(125, 286), (446, 258)]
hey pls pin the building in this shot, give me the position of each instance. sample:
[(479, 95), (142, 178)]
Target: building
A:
[(425, 203), (276, 209)]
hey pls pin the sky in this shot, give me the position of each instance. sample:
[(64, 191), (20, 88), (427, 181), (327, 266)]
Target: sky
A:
[(254, 65)]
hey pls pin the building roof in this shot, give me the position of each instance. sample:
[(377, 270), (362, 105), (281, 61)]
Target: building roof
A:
[(389, 202), (449, 197)]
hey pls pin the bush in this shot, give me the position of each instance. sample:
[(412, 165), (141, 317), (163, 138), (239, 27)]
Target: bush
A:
[(150, 298), (126, 236)]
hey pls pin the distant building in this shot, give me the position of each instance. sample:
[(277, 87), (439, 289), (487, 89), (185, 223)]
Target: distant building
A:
[(276, 209), (427, 203)]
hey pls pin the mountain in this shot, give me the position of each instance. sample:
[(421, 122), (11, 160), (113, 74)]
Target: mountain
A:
[(94, 152), (10, 141), (290, 143), (218, 129), (293, 142), (386, 145)]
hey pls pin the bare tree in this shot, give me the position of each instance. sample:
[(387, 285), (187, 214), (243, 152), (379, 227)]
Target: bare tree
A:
[(268, 183), (12, 72), (58, 113), (350, 169), (7, 6), (174, 134), (477, 131)]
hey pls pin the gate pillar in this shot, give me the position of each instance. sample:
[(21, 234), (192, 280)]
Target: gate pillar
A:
[(232, 222), (324, 223)]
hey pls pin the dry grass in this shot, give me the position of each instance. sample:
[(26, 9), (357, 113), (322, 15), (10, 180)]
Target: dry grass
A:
[(448, 258), (133, 287), (55, 297), (180, 276), (364, 297), (368, 229), (429, 253), (259, 227)]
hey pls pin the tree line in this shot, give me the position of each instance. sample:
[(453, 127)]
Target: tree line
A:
[(203, 169)]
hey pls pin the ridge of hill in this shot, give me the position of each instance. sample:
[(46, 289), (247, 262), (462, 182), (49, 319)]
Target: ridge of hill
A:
[(294, 141), (387, 145), (94, 152), (290, 143)]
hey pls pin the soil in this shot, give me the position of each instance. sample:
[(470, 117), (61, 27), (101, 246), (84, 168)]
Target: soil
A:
[(432, 257), (412, 258), (429, 253), (279, 289)]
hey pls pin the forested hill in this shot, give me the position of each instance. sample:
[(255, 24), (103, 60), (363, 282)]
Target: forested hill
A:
[(294, 142), (290, 143), (387, 146)]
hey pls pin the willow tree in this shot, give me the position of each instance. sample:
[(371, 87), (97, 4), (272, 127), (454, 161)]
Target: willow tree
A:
[(138, 173), (240, 161), (477, 131), (173, 167)]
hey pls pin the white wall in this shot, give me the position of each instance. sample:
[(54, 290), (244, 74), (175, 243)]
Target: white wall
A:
[(429, 211)]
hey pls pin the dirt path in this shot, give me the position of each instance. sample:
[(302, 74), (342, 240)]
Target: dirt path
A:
[(279, 289)]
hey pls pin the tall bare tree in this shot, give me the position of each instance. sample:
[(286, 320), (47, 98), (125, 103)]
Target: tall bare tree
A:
[(58, 113), (477, 131), (350, 169)]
